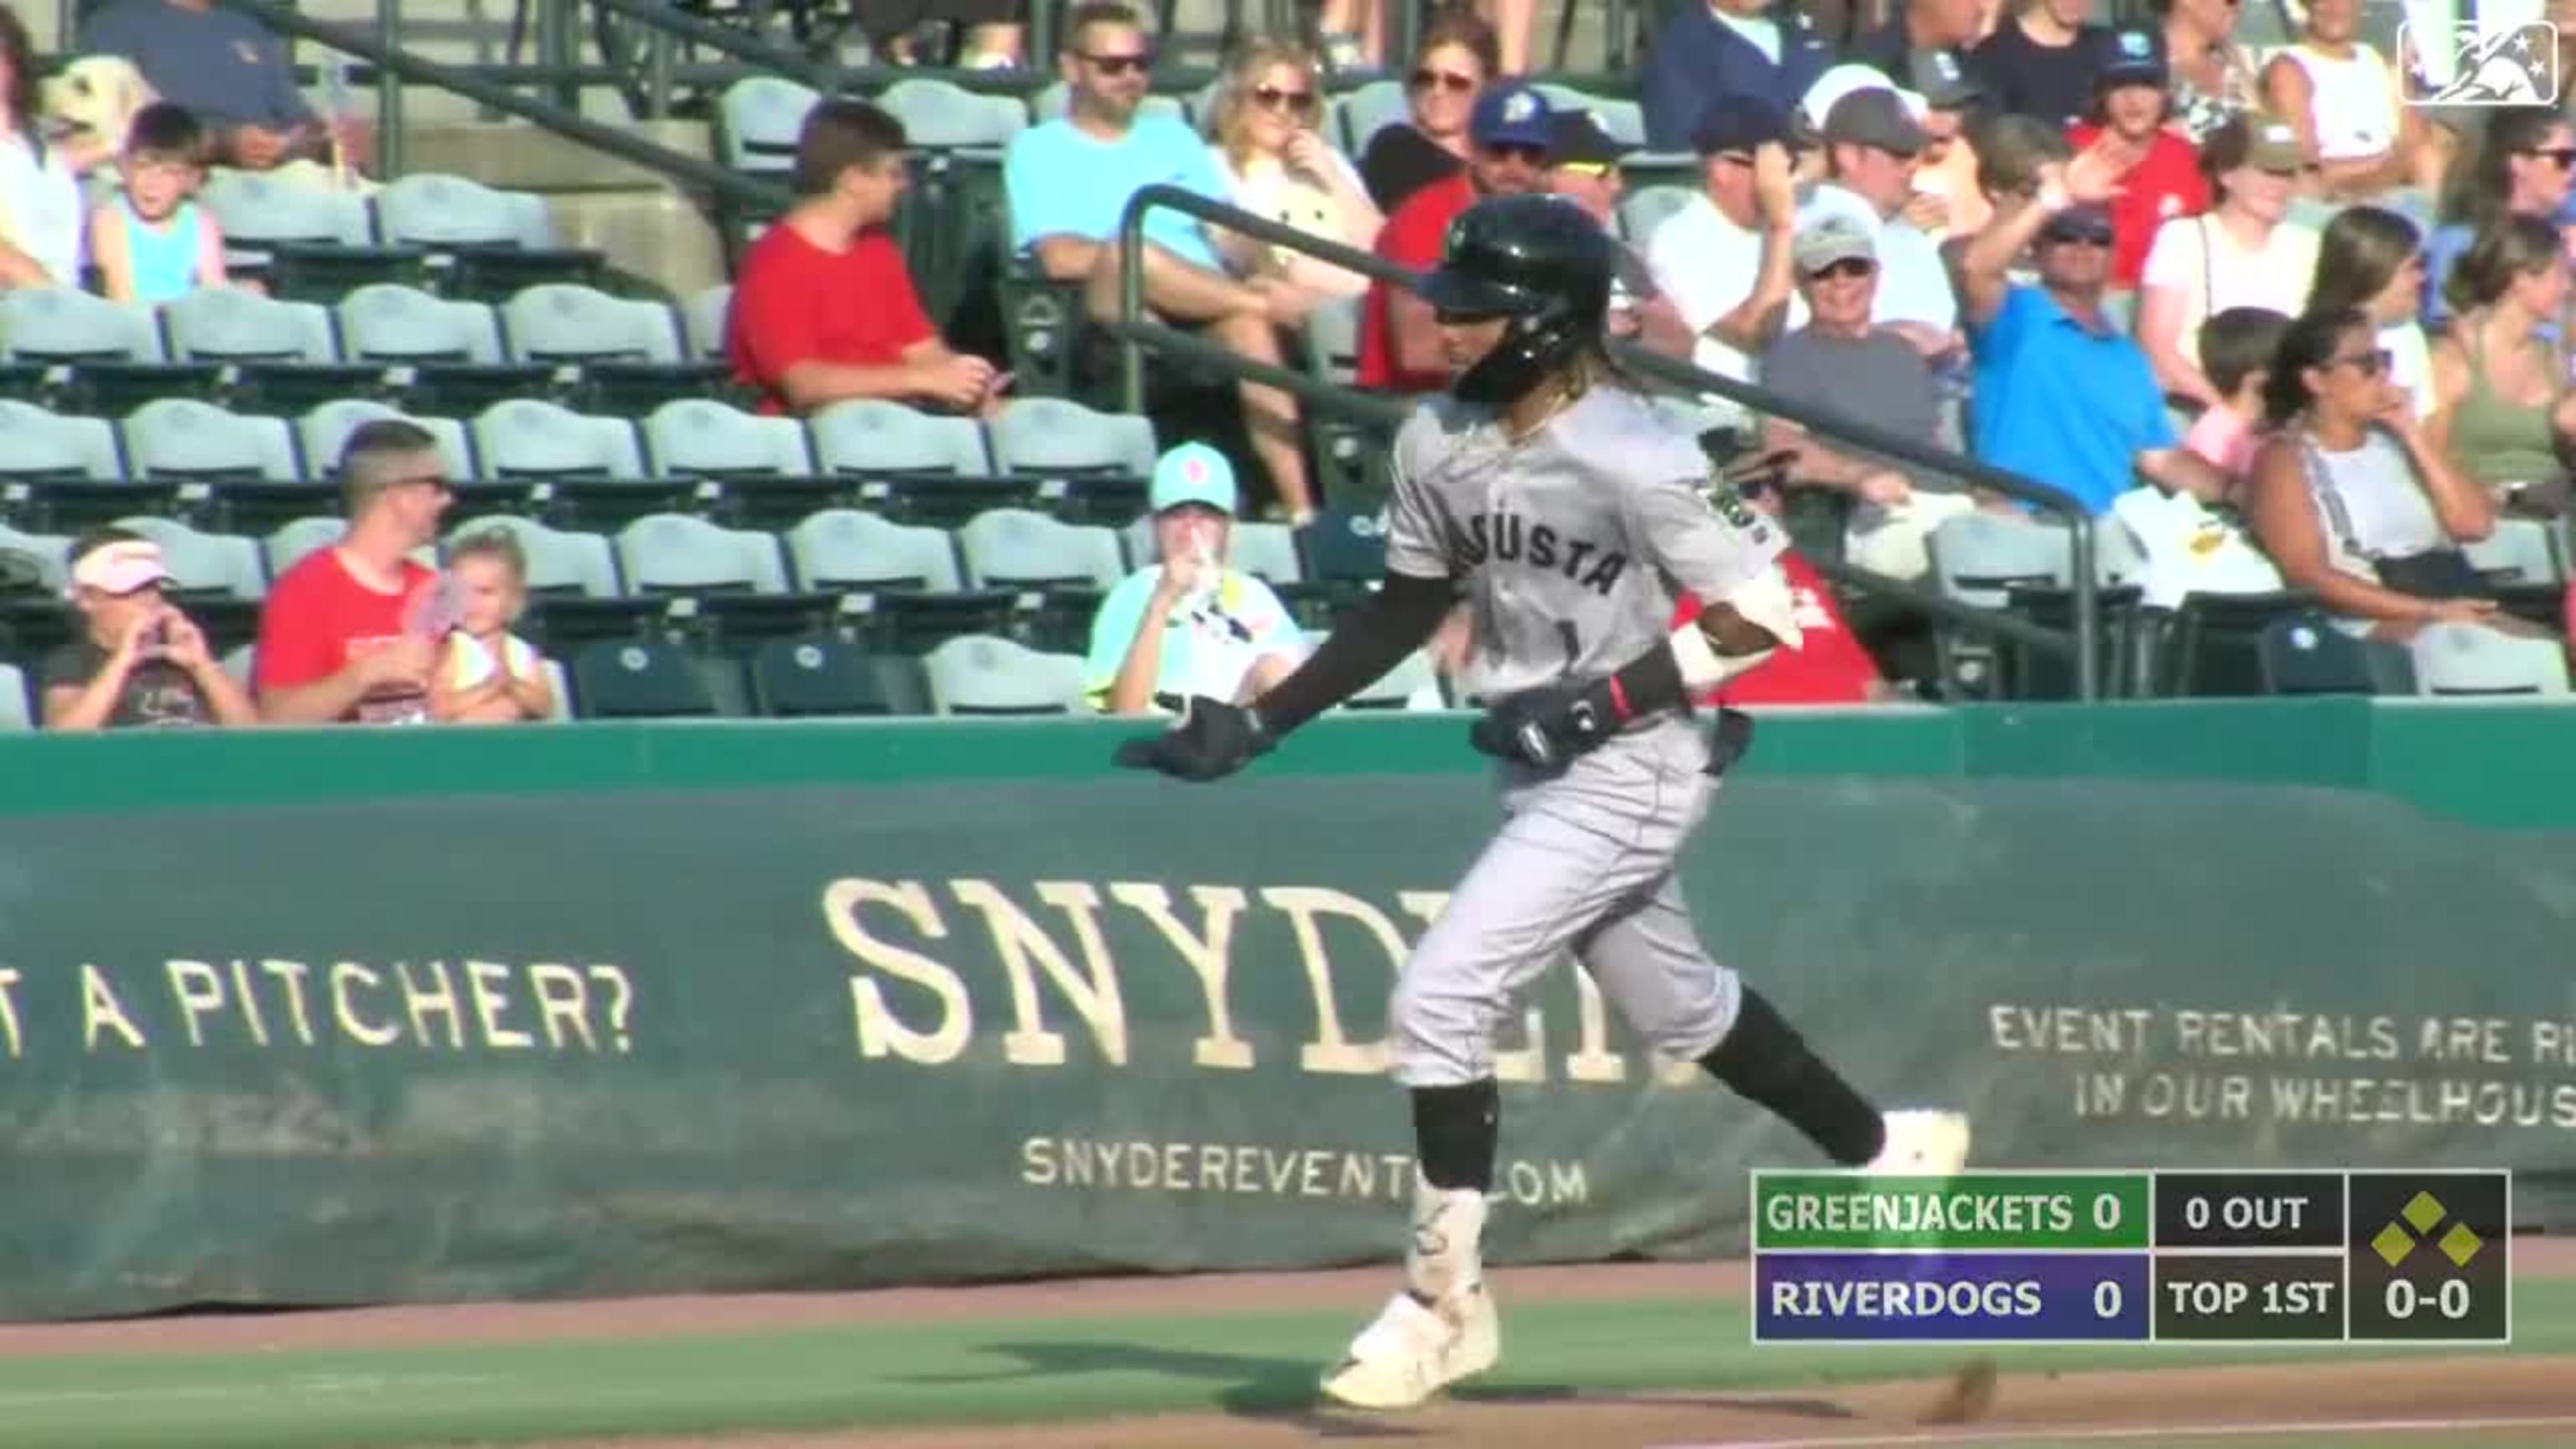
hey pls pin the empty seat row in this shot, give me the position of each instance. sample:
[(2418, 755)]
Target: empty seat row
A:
[(1035, 450), (834, 551), (450, 232), (545, 324)]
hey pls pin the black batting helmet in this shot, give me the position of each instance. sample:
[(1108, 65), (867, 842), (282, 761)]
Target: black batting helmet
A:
[(1539, 260)]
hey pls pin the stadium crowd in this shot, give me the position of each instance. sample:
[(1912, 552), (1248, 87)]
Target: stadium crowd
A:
[(2258, 313)]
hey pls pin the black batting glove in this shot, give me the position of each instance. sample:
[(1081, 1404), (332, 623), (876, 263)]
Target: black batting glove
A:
[(1213, 740), (1547, 727)]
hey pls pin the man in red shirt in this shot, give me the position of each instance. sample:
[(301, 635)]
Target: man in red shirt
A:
[(2160, 176), (1399, 342), (823, 306), (1828, 667), (350, 633)]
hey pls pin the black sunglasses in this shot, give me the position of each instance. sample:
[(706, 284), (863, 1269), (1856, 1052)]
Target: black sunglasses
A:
[(1134, 62), (2090, 235), (1447, 80), (1295, 103), (1843, 267), (1516, 151), (2368, 364), (2562, 157)]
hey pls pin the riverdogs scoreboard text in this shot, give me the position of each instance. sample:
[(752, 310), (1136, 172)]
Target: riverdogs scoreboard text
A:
[(2133, 1257)]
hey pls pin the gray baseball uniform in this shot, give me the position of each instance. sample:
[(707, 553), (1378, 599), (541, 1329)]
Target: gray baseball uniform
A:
[(1573, 547)]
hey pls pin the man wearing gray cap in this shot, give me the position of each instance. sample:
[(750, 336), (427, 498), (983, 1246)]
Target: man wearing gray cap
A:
[(1872, 145), (1844, 366)]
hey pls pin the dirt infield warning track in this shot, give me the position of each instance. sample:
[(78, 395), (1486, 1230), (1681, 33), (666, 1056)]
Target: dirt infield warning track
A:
[(2388, 1402)]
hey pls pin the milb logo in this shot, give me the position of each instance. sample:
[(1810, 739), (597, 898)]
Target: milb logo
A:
[(2470, 64)]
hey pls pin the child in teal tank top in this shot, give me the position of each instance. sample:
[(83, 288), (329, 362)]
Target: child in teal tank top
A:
[(155, 243)]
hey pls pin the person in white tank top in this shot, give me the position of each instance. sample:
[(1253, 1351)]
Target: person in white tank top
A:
[(2352, 504), (2343, 98)]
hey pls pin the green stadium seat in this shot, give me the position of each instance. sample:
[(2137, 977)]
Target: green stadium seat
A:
[(953, 224), (758, 120), (2304, 653), (50, 553), (562, 563), (210, 565), (910, 465), (1343, 551), (642, 678), (1977, 559), (702, 320), (1361, 112), (397, 324), (17, 709), (1059, 571), (982, 675), (60, 473), (582, 469), (1090, 465), (630, 353), (53, 325), (899, 583), (325, 431), (481, 243), (284, 353), (236, 471), (762, 467), (672, 553), (810, 675), (1350, 459), (2519, 552), (291, 541), (304, 243), (2473, 660)]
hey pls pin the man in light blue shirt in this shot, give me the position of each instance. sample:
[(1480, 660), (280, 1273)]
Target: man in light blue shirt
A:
[(1188, 624), (1068, 182), (2063, 395)]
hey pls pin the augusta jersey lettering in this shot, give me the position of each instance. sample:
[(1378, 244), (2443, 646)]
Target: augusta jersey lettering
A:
[(1574, 545)]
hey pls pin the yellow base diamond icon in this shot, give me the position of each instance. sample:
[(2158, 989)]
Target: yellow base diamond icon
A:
[(2459, 1245), (2424, 1212), (2392, 1245)]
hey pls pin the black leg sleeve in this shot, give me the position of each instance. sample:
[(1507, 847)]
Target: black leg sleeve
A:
[(1455, 1130), (1765, 1060)]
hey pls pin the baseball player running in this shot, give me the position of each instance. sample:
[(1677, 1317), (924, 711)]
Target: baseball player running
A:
[(1571, 514)]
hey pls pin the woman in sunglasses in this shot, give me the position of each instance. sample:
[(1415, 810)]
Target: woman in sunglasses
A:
[(1456, 58), (2348, 498), (2502, 408), (2521, 169), (1279, 165)]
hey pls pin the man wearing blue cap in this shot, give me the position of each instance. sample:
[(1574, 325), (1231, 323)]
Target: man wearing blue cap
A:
[(1189, 625), (1399, 344)]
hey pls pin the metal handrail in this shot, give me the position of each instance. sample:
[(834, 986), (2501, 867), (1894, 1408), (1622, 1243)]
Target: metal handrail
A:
[(1672, 372), (678, 166)]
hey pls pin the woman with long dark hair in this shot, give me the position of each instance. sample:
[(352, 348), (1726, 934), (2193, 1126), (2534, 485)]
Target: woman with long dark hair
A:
[(2369, 260), (2348, 498), (42, 220)]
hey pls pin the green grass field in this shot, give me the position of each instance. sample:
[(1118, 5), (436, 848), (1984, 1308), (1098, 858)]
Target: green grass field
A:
[(884, 1375)]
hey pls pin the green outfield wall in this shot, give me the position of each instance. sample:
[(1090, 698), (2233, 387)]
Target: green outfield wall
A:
[(292, 1017)]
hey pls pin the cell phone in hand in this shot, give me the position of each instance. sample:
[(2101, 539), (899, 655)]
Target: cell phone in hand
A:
[(1000, 384)]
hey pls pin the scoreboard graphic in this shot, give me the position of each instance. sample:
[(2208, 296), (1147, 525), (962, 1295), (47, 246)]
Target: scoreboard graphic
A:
[(2134, 1257)]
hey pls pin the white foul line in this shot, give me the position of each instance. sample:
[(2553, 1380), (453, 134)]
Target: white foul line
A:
[(2201, 1431)]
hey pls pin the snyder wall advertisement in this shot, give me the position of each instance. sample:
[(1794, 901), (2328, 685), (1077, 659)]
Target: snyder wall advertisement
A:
[(718, 1039)]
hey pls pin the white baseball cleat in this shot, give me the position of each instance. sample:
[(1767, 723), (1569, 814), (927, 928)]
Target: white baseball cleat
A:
[(1413, 1352), (1923, 1143)]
